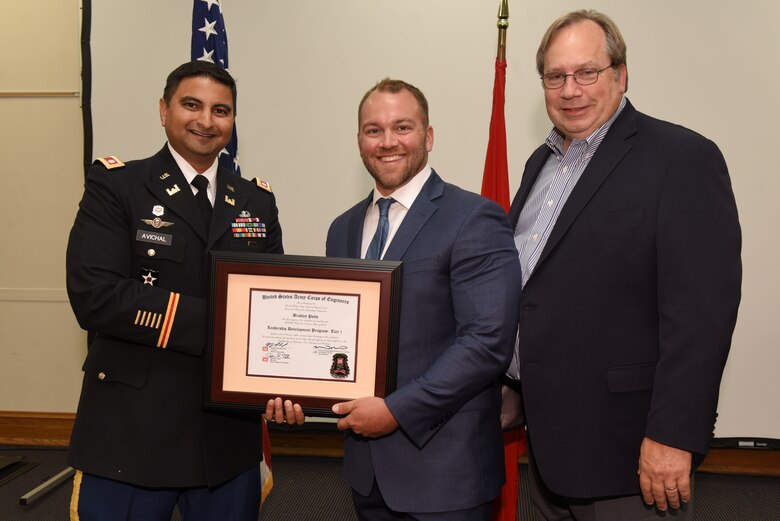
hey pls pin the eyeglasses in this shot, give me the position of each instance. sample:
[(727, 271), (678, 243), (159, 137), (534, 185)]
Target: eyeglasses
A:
[(556, 80)]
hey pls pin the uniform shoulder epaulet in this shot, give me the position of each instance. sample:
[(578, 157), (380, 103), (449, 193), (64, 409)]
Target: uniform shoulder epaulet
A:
[(265, 185), (110, 162)]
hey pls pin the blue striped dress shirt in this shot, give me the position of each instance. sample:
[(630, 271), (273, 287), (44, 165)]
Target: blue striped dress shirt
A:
[(551, 190)]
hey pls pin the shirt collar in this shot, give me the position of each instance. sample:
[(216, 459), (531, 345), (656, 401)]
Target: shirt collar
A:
[(190, 173), (406, 194), (555, 138)]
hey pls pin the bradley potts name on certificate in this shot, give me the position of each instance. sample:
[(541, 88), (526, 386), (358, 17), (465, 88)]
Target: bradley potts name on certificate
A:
[(302, 335)]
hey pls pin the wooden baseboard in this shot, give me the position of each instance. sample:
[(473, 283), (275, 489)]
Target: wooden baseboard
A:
[(35, 429), (290, 441), (42, 429), (743, 462)]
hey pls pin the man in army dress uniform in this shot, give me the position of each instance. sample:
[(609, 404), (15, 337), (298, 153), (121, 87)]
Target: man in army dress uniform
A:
[(137, 276)]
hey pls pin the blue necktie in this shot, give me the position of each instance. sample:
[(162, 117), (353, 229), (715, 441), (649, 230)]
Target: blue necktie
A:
[(377, 245)]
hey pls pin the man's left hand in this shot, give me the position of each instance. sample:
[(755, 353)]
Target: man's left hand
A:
[(368, 416), (664, 475), (280, 411)]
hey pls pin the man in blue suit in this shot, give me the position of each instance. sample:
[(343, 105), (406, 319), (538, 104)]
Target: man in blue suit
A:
[(433, 448), (629, 243)]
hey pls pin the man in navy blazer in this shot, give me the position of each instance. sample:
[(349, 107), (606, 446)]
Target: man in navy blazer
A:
[(629, 242), (432, 449)]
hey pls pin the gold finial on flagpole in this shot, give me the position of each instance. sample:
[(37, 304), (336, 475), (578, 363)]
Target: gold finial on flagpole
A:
[(503, 24)]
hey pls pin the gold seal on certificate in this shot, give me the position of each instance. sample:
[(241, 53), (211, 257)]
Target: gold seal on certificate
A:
[(314, 330)]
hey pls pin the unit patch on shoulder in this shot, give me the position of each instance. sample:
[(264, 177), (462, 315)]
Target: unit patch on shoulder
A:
[(265, 185), (110, 162)]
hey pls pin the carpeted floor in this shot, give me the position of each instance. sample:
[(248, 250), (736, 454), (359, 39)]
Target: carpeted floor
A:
[(313, 489)]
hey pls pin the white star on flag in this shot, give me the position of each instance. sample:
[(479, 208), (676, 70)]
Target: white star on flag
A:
[(209, 3), (208, 28), (206, 56)]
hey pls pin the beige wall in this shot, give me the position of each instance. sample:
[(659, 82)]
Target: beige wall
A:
[(41, 347), (302, 68)]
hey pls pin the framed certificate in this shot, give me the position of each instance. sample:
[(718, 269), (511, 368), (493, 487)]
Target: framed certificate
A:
[(314, 330)]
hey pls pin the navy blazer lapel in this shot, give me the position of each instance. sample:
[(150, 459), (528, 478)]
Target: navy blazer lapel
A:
[(229, 202), (355, 227), (171, 187), (422, 209), (532, 171), (611, 150)]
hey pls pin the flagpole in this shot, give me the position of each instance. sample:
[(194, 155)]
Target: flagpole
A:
[(495, 177), (495, 185), (503, 25)]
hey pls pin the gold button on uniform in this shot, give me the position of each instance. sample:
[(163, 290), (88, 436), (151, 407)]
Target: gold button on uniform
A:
[(101, 375), (150, 252)]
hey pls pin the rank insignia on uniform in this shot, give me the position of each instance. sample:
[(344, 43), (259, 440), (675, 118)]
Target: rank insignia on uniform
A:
[(248, 227), (149, 276), (339, 368), (230, 201), (173, 190), (148, 319), (165, 176), (111, 162), (230, 187), (245, 213), (265, 185), (157, 223), (158, 210)]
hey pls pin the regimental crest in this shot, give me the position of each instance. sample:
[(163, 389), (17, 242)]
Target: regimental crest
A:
[(149, 276), (340, 366)]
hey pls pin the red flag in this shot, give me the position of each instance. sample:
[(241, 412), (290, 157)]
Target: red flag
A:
[(266, 477), (495, 179), (505, 505), (495, 186)]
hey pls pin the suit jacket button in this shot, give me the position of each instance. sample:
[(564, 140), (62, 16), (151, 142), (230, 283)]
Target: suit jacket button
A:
[(101, 375), (150, 252)]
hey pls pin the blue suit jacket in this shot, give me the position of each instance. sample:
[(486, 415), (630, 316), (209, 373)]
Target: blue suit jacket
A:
[(461, 285), (626, 321)]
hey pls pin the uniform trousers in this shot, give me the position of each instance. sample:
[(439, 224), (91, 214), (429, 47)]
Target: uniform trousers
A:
[(100, 499)]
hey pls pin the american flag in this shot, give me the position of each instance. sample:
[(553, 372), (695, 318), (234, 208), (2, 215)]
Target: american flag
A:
[(209, 43)]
